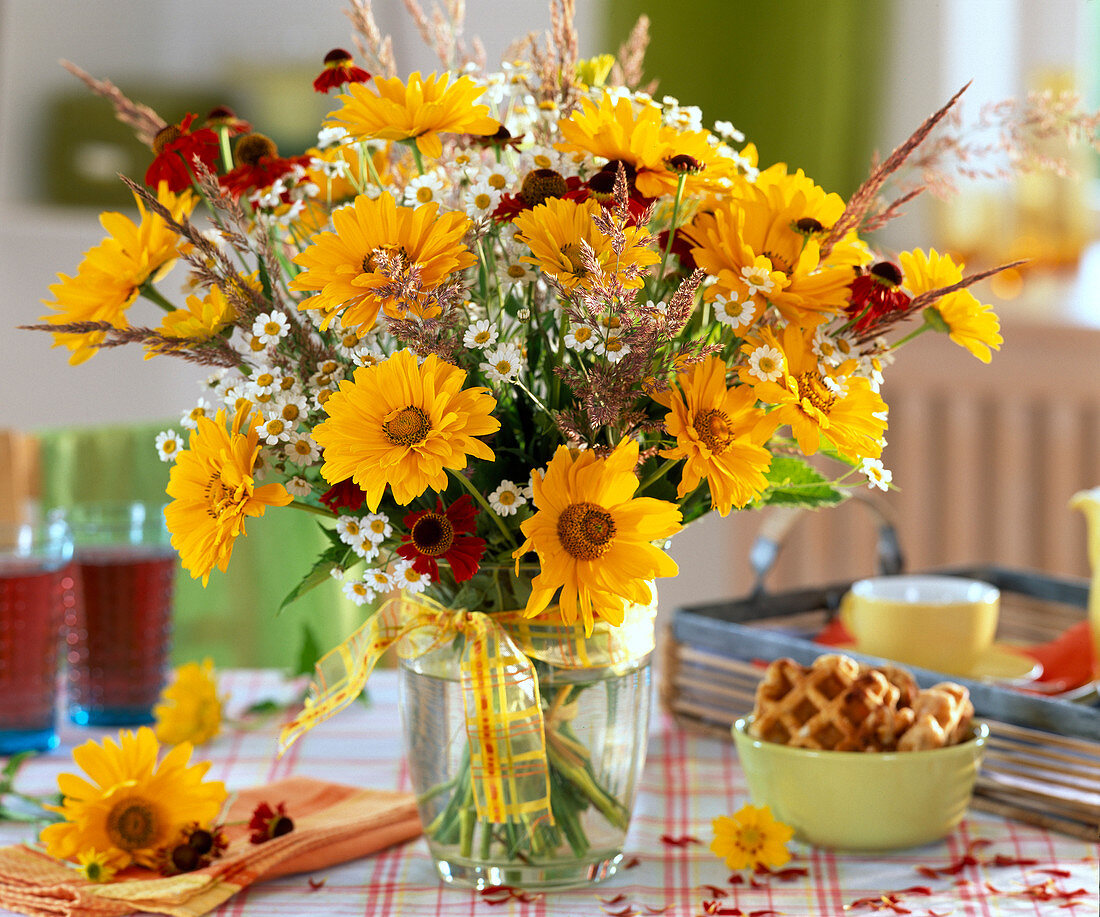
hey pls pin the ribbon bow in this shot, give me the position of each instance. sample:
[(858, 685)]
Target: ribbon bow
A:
[(500, 688)]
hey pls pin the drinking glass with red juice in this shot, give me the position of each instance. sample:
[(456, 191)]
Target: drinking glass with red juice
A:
[(119, 634), (36, 593)]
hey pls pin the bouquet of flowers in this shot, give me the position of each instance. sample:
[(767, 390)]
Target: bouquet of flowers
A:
[(505, 333)]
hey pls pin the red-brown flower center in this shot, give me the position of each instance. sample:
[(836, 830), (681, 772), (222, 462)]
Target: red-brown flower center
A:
[(433, 534), (407, 426), (713, 430), (132, 824), (586, 530)]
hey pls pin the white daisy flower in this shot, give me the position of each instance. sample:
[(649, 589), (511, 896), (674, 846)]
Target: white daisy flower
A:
[(378, 580), (358, 591), (757, 279), (190, 419), (581, 338), (169, 444), (733, 313), (350, 531), (377, 527), (330, 136), (405, 577), (270, 327), (728, 131), (614, 348), (877, 475), (503, 363), (482, 335), (274, 430), (766, 363), (290, 406), (301, 449), (321, 396), (835, 385), (367, 355), (480, 200), (423, 190), (517, 271), (298, 487), (660, 307), (506, 499), (497, 176)]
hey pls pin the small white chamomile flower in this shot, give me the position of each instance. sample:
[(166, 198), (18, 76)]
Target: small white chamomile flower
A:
[(302, 450), (481, 335), (766, 363), (190, 419), (270, 327), (169, 444), (350, 531), (378, 579), (298, 487), (613, 347), (377, 527), (581, 338), (503, 363), (877, 475), (506, 499), (733, 313), (358, 591), (274, 430), (423, 190), (758, 279), (480, 200), (406, 577), (516, 271)]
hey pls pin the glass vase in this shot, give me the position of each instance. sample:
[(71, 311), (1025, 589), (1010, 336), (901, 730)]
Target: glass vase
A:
[(595, 723)]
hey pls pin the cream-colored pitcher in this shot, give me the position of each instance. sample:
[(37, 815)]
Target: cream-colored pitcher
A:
[(1088, 501)]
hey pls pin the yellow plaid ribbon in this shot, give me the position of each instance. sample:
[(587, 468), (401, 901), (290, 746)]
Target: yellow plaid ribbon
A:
[(500, 690)]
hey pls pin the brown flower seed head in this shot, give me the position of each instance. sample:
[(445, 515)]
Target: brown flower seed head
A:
[(539, 185), (338, 56), (808, 226), (251, 148), (683, 164), (887, 273), (165, 136)]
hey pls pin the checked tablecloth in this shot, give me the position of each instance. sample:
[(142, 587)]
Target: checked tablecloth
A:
[(688, 781)]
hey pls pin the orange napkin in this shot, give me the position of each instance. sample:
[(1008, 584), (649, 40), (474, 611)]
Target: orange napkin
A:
[(332, 824), (1067, 659)]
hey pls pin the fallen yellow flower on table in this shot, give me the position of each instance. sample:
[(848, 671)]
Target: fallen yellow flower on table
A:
[(95, 866), (190, 709), (750, 838), (129, 806)]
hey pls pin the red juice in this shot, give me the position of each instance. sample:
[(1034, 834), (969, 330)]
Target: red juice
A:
[(118, 637), (35, 597)]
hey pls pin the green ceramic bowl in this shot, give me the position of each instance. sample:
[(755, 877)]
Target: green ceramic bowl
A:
[(862, 800)]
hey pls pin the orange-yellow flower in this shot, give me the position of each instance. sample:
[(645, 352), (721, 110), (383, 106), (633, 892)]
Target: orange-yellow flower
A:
[(594, 538), (421, 110), (785, 372), (213, 491), (342, 268), (716, 430), (401, 424), (969, 322), (750, 838)]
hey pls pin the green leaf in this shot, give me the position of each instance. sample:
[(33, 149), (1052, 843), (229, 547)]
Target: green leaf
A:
[(793, 482), (334, 557), (308, 654)]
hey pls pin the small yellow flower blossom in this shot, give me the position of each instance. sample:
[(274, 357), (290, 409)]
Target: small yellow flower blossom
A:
[(750, 838), (190, 709)]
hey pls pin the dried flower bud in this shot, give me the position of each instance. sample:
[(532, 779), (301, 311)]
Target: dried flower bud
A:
[(887, 272), (808, 226), (540, 185), (683, 164), (251, 148), (523, 314)]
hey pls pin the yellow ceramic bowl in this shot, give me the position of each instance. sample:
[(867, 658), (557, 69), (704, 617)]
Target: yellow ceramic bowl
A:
[(853, 800)]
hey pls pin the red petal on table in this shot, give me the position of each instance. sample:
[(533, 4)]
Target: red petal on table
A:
[(317, 883), (1060, 873), (615, 900), (714, 891), (682, 841)]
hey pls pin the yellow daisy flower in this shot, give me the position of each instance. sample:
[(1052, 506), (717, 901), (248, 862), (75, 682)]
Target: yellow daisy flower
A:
[(969, 322), (594, 539), (190, 709), (129, 806), (340, 266), (785, 372), (202, 319), (752, 247), (96, 866), (387, 109), (554, 231), (613, 129), (213, 491), (401, 424), (716, 434), (751, 837), (112, 273)]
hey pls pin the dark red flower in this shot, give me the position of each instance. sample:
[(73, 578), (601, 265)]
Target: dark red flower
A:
[(176, 146), (339, 70), (512, 205), (439, 533), (601, 188), (224, 117), (876, 297), (259, 165), (196, 847), (344, 494), (268, 823), (681, 248)]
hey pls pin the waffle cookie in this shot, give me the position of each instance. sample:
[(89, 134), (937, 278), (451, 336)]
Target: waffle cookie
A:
[(837, 704)]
